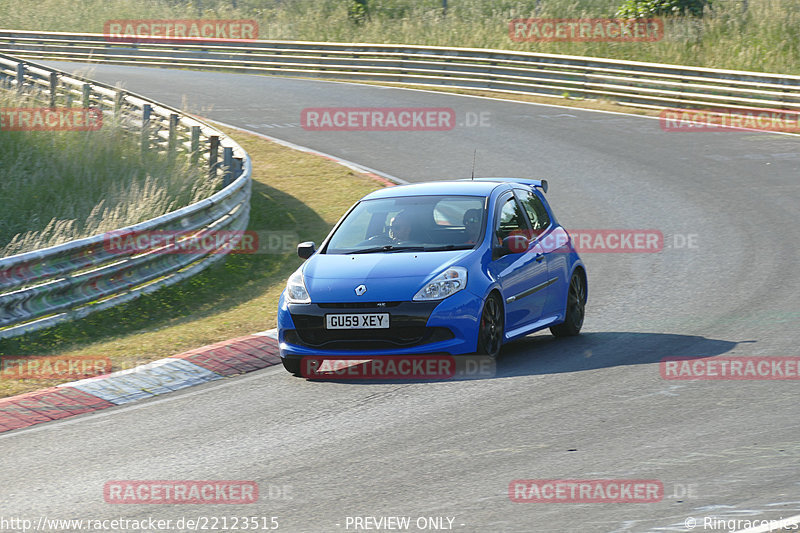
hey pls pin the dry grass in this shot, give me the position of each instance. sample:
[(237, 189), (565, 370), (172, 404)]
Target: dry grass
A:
[(58, 186)]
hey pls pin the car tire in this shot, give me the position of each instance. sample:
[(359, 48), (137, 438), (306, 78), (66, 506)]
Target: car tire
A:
[(490, 327), (292, 366), (576, 308)]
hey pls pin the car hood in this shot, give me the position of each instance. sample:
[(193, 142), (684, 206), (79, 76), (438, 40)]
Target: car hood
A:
[(389, 277)]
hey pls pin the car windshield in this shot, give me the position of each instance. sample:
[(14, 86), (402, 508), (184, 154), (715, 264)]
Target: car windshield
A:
[(411, 223)]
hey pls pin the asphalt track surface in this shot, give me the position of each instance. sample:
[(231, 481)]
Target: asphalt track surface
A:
[(592, 407)]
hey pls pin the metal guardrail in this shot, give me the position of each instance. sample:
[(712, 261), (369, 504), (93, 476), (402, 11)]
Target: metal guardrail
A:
[(43, 287), (635, 83)]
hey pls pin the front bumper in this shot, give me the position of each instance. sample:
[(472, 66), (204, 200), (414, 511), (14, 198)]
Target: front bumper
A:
[(446, 326)]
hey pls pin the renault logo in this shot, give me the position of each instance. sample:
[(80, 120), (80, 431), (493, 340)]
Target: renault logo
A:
[(361, 289)]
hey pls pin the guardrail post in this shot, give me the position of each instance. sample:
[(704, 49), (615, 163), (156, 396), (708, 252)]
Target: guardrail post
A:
[(237, 167), (146, 110), (87, 95), (213, 154), (227, 163), (20, 76), (194, 144), (173, 135), (53, 88)]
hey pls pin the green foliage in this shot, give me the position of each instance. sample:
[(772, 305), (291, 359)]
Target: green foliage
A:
[(357, 10), (660, 8)]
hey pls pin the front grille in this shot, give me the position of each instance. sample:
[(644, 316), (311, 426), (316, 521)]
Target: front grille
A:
[(360, 305), (365, 340), (407, 327)]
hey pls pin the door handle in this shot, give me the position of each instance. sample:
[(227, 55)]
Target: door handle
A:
[(539, 257)]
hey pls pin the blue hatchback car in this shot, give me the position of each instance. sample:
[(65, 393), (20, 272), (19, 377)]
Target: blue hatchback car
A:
[(444, 267)]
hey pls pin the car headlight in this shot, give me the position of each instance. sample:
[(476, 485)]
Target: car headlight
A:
[(445, 284), (296, 292)]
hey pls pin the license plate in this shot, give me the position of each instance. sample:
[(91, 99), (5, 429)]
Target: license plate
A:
[(357, 321)]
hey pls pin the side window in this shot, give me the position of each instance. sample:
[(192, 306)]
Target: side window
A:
[(511, 220), (536, 211)]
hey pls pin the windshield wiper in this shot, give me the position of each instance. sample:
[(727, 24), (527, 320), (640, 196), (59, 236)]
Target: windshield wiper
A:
[(393, 248), (449, 247), (389, 248)]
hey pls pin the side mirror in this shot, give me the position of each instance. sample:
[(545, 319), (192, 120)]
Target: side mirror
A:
[(306, 249), (514, 244)]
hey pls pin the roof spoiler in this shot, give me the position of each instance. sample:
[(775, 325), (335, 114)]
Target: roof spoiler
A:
[(541, 184)]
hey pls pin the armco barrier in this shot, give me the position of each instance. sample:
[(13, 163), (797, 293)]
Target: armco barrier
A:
[(642, 84), (44, 287)]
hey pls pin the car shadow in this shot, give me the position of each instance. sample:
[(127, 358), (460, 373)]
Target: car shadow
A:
[(545, 354)]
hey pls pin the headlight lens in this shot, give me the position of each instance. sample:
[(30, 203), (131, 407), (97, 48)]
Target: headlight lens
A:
[(445, 284), (296, 292)]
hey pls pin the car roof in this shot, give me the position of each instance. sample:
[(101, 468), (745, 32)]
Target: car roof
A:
[(431, 188)]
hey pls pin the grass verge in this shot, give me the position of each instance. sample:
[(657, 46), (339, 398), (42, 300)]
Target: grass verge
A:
[(292, 191)]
